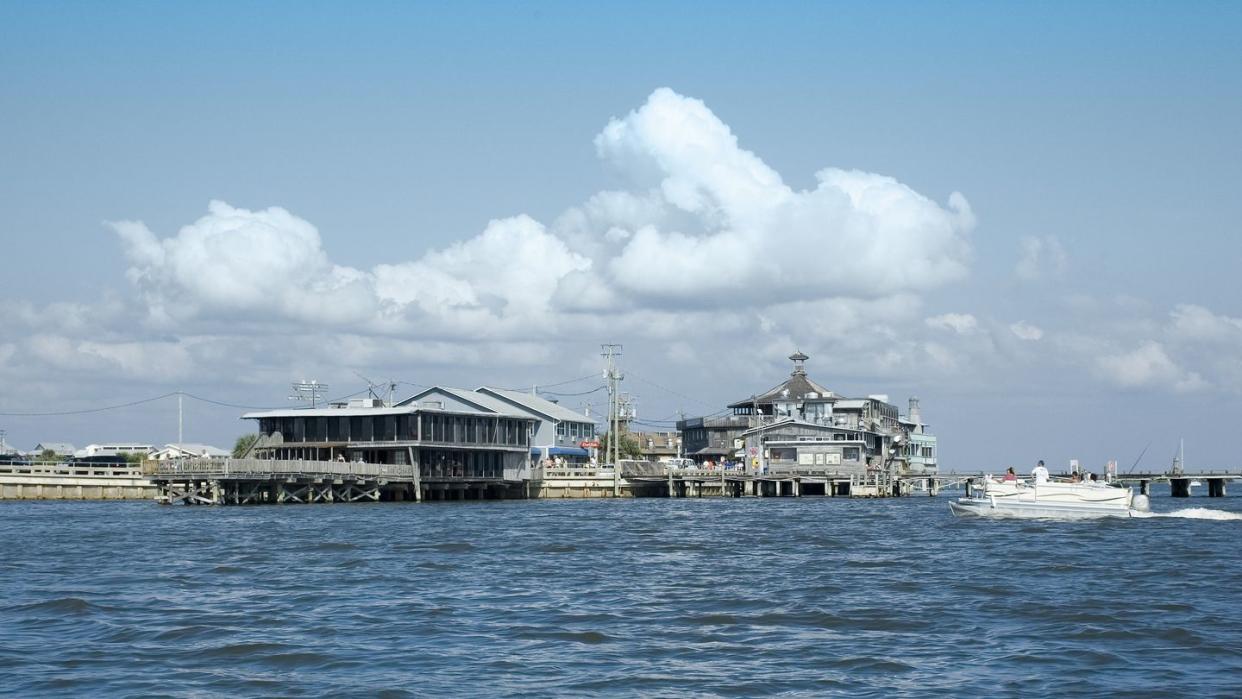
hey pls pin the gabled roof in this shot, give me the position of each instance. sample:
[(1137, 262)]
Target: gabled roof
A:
[(534, 404), (480, 401), (58, 447), (198, 449)]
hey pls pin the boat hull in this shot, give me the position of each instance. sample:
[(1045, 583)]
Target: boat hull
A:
[(1045, 500), (983, 507)]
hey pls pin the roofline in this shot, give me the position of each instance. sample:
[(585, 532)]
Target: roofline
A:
[(488, 390)]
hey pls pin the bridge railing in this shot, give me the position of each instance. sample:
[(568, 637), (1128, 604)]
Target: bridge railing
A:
[(70, 469), (276, 467)]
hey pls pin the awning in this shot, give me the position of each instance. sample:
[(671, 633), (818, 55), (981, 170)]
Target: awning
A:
[(559, 451), (713, 451)]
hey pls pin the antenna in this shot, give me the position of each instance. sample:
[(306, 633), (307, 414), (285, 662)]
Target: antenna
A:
[(372, 385), (312, 391)]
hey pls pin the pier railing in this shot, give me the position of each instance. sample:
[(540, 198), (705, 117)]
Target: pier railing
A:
[(278, 467)]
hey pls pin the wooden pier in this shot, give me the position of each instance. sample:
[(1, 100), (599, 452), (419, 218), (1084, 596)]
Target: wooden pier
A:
[(261, 481)]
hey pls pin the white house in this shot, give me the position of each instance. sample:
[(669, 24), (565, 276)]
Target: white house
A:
[(188, 451)]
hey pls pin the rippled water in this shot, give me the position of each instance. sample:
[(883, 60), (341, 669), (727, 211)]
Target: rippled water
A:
[(711, 597)]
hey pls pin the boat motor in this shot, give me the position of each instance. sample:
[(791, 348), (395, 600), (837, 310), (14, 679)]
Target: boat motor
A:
[(1141, 503)]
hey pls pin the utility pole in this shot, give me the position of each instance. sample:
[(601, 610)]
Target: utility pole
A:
[(611, 354), (180, 437)]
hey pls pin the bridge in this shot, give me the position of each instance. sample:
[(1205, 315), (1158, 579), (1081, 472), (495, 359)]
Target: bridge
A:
[(1179, 482)]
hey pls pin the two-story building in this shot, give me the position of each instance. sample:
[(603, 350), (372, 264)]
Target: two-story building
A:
[(559, 433), (800, 423), (447, 432)]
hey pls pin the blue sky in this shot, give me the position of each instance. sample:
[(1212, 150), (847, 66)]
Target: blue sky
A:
[(1096, 145)]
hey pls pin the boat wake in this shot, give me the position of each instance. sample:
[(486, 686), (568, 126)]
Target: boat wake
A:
[(1193, 513)]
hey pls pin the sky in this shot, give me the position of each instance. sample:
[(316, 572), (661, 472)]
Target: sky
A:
[(1026, 215)]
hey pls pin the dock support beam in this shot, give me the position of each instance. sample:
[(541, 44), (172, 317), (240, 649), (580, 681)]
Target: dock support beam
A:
[(1180, 487), (1216, 487)]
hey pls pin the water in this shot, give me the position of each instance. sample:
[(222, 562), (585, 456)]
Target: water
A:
[(697, 598)]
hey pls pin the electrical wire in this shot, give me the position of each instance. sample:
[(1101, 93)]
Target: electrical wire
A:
[(597, 389), (668, 390)]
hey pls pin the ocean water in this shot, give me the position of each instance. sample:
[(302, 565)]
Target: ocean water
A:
[(669, 598)]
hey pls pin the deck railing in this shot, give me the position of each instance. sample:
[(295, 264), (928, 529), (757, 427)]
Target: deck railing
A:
[(277, 467)]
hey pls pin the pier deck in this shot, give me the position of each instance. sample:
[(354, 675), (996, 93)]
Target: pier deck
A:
[(255, 481)]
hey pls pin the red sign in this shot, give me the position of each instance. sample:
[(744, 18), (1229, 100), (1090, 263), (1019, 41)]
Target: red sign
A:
[(589, 445)]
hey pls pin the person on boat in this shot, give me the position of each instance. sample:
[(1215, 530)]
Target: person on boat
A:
[(1040, 473), (1010, 476)]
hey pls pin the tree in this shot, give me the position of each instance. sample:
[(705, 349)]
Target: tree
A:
[(244, 444), (630, 448)]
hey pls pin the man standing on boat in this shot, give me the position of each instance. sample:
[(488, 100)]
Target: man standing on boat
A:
[(1039, 473)]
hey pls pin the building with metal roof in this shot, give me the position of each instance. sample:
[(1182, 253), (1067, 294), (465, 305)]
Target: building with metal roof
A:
[(441, 430), (558, 433)]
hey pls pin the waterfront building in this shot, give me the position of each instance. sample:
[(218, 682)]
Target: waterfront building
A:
[(445, 431), (57, 448), (921, 449), (558, 432), (114, 449), (799, 423), (658, 446), (714, 438)]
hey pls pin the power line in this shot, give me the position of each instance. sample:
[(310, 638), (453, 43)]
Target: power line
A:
[(598, 388), (540, 386), (84, 411), (142, 401), (669, 390)]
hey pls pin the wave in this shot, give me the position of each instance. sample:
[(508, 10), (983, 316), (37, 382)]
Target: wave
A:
[(1196, 513)]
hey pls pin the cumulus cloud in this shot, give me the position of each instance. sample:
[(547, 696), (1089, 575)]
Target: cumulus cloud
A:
[(960, 323), (734, 223), (1025, 331), (706, 218), (1041, 258), (1149, 365), (233, 260)]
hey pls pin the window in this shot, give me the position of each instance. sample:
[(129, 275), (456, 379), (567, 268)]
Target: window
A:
[(850, 454)]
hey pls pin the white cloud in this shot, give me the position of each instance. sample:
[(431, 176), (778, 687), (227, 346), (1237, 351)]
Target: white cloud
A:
[(960, 323), (1025, 331), (1148, 366), (1196, 323), (735, 224), (707, 225), (1041, 257)]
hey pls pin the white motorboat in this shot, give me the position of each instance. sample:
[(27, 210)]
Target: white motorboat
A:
[(1053, 500)]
